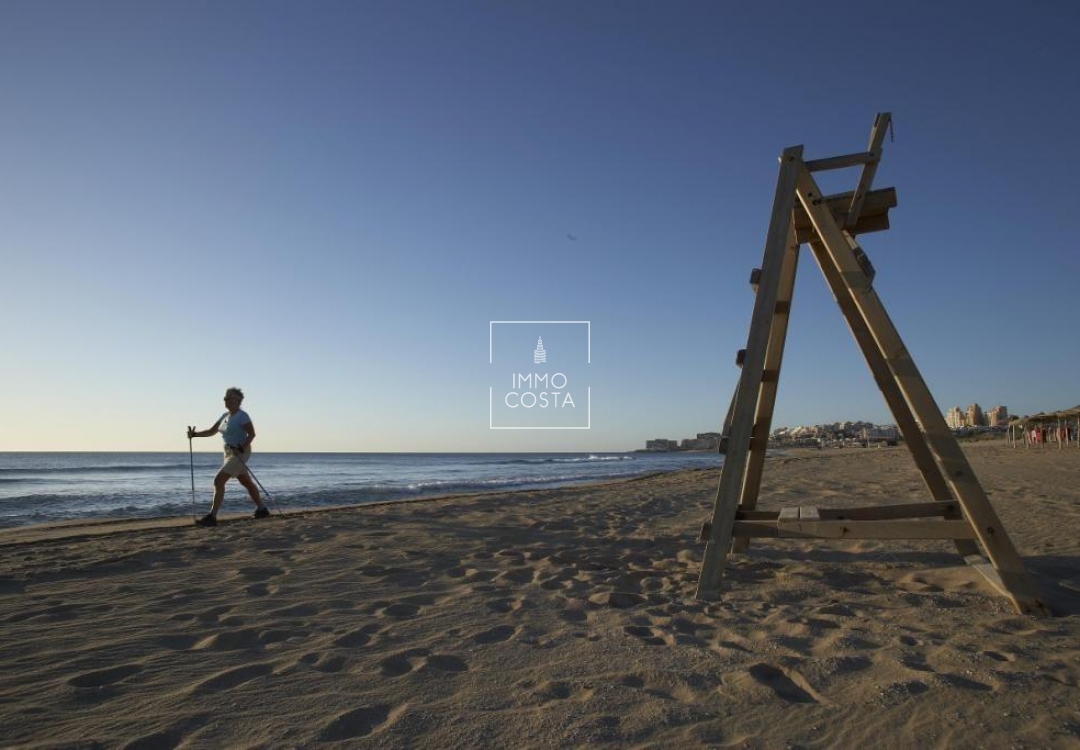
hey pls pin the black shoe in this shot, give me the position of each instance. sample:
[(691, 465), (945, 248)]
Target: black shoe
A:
[(262, 511), (208, 520)]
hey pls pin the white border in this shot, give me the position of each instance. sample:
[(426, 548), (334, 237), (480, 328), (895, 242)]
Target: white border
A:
[(491, 418)]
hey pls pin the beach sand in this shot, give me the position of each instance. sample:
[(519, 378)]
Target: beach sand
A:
[(556, 618)]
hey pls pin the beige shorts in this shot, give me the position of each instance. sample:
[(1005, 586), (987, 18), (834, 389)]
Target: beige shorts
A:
[(232, 464)]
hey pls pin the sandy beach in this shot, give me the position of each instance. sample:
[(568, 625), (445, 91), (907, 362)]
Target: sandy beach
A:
[(557, 618)]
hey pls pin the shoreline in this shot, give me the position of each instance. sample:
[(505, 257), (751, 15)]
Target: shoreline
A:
[(138, 489), (552, 618), (78, 528)]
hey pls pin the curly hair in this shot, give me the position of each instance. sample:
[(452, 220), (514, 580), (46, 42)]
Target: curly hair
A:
[(234, 391)]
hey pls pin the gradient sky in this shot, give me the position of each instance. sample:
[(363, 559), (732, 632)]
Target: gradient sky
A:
[(326, 203)]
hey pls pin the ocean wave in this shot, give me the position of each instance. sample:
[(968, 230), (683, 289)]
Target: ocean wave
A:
[(45, 471), (574, 460)]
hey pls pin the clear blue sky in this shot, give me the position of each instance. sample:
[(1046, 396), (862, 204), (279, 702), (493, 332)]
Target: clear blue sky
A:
[(326, 203)]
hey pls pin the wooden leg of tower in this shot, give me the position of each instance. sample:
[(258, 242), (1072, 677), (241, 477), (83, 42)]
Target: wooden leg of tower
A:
[(957, 471), (909, 427), (733, 473), (766, 402)]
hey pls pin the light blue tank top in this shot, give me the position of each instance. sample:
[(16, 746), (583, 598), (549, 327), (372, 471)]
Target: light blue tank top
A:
[(232, 427)]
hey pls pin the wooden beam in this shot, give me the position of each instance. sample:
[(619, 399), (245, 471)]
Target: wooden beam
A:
[(840, 162), (755, 529), (884, 512), (957, 471), (983, 566), (914, 436), (734, 469), (937, 529), (770, 380), (866, 179), (874, 216), (948, 510)]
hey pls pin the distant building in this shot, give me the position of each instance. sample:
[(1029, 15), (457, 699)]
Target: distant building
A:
[(661, 444), (974, 416), (997, 417), (954, 418), (705, 441)]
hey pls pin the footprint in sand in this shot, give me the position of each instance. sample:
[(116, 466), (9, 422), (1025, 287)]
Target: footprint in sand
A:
[(259, 572), (445, 663), (916, 663), (786, 683), (357, 722), (955, 680), (323, 663), (558, 690), (171, 737), (497, 634), (296, 610), (261, 589), (231, 678), (102, 677), (209, 616), (617, 599), (10, 585), (176, 642), (648, 636), (517, 575), (421, 659), (403, 663), (571, 614), (400, 611), (504, 605), (355, 638), (230, 640)]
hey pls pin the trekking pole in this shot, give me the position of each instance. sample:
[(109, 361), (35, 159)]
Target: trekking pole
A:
[(252, 473), (191, 455)]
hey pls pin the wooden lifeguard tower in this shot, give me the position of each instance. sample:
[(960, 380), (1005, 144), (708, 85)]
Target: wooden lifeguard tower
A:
[(959, 509)]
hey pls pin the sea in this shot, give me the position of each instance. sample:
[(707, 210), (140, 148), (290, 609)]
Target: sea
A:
[(50, 487)]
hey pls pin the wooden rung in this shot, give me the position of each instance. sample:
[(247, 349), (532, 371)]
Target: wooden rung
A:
[(740, 358), (840, 162), (755, 279), (754, 529), (770, 376), (886, 512), (783, 307), (757, 515), (809, 513), (865, 513), (875, 529)]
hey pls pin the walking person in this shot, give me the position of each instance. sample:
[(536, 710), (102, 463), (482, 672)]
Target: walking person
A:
[(237, 430)]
